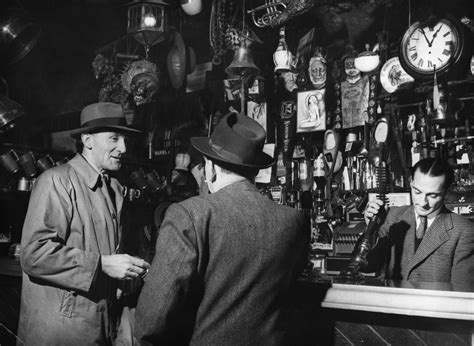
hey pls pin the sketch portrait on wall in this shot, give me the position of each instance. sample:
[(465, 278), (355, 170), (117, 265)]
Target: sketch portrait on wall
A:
[(354, 102), (311, 111)]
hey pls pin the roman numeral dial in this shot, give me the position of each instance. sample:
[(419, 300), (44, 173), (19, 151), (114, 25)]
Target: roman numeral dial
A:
[(425, 49)]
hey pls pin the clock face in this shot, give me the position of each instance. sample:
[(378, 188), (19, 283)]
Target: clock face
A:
[(428, 48)]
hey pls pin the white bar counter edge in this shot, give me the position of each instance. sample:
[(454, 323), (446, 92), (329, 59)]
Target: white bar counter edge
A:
[(403, 301)]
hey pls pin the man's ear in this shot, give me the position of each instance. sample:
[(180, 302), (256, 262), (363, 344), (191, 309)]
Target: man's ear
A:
[(86, 139)]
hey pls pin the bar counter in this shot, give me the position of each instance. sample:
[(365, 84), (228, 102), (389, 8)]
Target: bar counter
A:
[(327, 310), (335, 311)]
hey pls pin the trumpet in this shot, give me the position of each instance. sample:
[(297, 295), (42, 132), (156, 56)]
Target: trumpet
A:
[(271, 10)]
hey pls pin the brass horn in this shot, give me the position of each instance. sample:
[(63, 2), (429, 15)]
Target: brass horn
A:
[(271, 10)]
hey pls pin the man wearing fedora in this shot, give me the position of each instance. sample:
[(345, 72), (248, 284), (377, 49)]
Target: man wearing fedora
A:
[(70, 240), (224, 261)]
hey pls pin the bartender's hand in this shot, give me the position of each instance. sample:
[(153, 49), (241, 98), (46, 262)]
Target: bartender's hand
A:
[(372, 209), (124, 267)]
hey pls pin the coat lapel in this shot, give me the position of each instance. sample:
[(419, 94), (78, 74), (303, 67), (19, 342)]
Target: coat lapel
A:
[(435, 236), (410, 235)]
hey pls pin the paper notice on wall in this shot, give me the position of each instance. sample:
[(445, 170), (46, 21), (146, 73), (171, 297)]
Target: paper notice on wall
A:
[(197, 79), (265, 174)]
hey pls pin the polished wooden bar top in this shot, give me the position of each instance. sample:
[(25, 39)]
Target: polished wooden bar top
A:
[(429, 299)]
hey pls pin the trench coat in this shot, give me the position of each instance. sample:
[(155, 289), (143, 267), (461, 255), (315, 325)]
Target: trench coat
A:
[(222, 271), (70, 222), (445, 254)]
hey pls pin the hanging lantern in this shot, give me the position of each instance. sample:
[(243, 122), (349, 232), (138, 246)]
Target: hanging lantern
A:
[(282, 58), (147, 21)]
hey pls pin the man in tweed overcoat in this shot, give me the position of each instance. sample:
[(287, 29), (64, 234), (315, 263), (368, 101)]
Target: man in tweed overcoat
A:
[(224, 261)]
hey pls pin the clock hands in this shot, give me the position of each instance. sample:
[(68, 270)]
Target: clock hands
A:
[(434, 35), (426, 38)]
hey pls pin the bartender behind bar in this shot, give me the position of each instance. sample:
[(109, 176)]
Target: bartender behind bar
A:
[(424, 241)]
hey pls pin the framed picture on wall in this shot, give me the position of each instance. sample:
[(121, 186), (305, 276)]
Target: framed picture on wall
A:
[(258, 111), (311, 111)]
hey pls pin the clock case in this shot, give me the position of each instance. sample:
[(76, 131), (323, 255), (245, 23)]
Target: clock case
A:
[(458, 65)]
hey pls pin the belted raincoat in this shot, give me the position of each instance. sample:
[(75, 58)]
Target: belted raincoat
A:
[(70, 222)]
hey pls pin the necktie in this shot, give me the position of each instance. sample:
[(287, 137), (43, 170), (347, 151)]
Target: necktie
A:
[(420, 230)]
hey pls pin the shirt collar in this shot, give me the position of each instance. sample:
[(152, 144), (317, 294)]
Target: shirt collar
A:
[(429, 221)]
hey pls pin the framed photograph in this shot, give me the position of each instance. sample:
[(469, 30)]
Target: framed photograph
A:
[(232, 88), (258, 111), (311, 111)]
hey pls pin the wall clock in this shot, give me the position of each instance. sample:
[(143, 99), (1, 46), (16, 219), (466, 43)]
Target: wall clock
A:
[(438, 44)]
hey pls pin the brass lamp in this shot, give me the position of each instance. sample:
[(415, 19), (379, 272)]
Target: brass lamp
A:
[(18, 35), (147, 21), (10, 111)]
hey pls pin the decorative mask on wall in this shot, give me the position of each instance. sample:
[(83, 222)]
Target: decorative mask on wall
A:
[(144, 87), (289, 78), (317, 69), (141, 79)]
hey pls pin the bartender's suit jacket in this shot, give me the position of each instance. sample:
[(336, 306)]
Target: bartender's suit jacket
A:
[(65, 298), (222, 270), (445, 254)]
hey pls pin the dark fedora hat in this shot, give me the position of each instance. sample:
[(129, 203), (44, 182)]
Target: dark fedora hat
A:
[(103, 115), (237, 140)]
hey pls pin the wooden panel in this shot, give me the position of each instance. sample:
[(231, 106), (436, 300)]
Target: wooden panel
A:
[(10, 292), (359, 334)]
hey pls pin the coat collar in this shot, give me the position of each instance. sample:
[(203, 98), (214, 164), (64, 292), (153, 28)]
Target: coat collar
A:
[(242, 185), (435, 236), (85, 170)]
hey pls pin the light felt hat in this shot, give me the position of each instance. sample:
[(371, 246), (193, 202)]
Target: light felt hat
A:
[(103, 115)]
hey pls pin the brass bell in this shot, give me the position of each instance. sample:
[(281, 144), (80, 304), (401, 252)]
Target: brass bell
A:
[(242, 65)]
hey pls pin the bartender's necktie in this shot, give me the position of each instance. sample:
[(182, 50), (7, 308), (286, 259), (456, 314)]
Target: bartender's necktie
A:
[(420, 230)]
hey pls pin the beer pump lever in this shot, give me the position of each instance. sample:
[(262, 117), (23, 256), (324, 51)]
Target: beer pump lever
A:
[(364, 244), (368, 239)]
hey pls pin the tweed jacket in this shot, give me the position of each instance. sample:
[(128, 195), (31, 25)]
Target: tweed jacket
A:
[(222, 270), (65, 298), (445, 254)]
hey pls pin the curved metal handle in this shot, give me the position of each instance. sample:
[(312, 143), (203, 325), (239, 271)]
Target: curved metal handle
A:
[(271, 12)]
